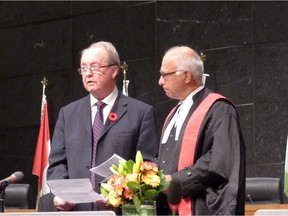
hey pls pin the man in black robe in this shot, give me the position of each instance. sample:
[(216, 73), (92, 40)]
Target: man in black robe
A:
[(201, 144)]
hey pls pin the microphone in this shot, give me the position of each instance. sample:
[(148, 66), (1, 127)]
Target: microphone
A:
[(174, 195), (249, 197), (15, 177)]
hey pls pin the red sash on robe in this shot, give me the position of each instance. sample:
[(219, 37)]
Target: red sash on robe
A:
[(187, 151)]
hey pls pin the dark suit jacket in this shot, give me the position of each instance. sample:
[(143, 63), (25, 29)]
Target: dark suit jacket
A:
[(216, 181), (71, 149)]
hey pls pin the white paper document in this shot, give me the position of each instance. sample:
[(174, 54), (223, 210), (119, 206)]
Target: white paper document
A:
[(104, 168), (74, 190)]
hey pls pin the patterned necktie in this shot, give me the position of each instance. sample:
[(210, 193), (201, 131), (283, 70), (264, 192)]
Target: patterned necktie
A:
[(97, 129)]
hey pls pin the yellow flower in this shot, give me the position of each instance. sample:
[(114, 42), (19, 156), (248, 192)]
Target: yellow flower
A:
[(131, 177), (118, 189), (133, 182), (151, 179), (114, 200)]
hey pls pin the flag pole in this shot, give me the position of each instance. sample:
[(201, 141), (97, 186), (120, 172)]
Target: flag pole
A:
[(124, 67), (203, 58), (44, 83), (42, 147)]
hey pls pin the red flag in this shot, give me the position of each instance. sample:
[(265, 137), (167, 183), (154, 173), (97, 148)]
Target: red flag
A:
[(42, 151)]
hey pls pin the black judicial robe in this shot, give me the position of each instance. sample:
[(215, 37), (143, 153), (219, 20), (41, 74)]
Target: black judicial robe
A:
[(216, 180)]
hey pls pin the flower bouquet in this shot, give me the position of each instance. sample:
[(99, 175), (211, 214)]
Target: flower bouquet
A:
[(133, 182)]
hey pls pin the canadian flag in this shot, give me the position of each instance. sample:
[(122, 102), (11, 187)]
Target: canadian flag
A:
[(42, 151)]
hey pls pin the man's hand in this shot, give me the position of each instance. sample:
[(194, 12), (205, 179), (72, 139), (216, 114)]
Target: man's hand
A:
[(168, 179), (102, 202), (63, 205), (102, 205)]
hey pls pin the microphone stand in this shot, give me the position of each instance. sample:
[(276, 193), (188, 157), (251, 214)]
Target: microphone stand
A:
[(250, 199), (2, 199)]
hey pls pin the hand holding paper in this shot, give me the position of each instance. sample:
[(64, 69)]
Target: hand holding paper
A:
[(74, 190), (80, 190)]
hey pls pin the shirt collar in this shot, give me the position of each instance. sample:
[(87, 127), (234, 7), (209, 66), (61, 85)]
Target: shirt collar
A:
[(189, 98), (109, 100)]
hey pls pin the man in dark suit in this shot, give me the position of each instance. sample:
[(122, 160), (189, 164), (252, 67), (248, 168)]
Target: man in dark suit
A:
[(202, 146), (128, 124)]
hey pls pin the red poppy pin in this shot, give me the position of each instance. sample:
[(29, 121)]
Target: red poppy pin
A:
[(113, 116)]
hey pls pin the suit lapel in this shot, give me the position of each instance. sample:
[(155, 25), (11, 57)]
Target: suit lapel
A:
[(119, 108), (84, 114)]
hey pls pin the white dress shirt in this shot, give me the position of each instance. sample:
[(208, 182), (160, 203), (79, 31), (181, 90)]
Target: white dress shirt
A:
[(109, 101)]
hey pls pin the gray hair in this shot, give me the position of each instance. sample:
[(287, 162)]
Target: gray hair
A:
[(187, 59), (112, 54)]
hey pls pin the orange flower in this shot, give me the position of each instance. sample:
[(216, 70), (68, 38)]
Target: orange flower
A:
[(118, 189), (150, 178), (128, 194), (116, 180), (149, 166)]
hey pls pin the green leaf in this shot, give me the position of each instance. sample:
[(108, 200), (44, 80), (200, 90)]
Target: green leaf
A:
[(130, 164), (134, 168), (133, 185), (104, 192), (123, 164), (114, 169), (161, 175), (162, 186), (121, 169), (139, 161), (151, 194), (137, 203), (163, 183), (145, 187)]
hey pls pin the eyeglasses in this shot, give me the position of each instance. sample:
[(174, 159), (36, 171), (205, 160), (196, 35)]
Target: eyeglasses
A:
[(93, 68), (165, 75)]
